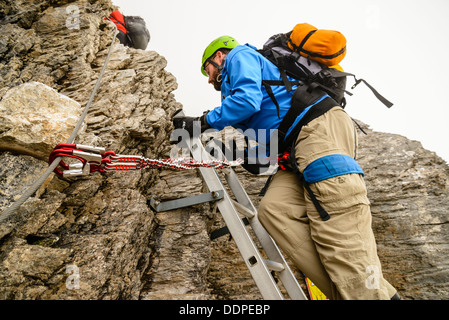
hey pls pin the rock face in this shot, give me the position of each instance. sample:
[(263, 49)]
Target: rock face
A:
[(96, 237), (34, 118), (409, 188), (98, 231)]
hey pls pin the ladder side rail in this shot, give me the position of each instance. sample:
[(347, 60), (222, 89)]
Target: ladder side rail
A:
[(251, 255), (271, 249)]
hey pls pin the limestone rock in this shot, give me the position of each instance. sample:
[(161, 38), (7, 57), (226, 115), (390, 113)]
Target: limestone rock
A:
[(99, 229), (18, 173), (34, 118), (96, 237), (408, 187), (26, 269)]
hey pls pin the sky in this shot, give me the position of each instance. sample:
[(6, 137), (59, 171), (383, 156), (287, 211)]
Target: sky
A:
[(400, 47)]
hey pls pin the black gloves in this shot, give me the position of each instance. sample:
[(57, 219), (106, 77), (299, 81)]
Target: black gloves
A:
[(188, 123)]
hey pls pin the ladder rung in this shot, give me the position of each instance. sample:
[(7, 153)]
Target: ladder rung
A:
[(243, 210), (274, 266)]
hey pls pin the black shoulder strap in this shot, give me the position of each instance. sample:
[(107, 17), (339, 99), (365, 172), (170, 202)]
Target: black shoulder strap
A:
[(377, 94), (268, 83), (337, 74), (290, 118), (321, 211)]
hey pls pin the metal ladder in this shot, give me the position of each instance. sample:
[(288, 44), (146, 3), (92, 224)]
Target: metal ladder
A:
[(259, 267)]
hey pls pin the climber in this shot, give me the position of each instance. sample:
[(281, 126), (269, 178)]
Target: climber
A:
[(324, 226), (132, 30)]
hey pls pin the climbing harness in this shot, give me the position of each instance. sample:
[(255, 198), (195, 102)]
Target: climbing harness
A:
[(93, 159)]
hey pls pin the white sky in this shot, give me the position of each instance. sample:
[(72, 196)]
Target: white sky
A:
[(400, 47)]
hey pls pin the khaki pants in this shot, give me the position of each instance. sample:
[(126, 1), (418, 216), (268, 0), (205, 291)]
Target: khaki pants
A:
[(338, 255)]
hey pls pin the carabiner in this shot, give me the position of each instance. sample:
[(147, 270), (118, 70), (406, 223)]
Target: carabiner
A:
[(90, 159)]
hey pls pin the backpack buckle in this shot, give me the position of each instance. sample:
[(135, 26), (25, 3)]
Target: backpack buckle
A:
[(284, 161), (357, 82)]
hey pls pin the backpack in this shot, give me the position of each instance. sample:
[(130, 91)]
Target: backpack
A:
[(312, 56), (137, 32), (132, 30)]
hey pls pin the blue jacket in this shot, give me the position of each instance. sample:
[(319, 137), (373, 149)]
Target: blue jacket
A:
[(245, 102)]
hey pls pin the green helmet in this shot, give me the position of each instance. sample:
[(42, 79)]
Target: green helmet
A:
[(224, 42)]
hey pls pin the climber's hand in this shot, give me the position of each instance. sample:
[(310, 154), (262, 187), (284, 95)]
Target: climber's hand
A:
[(193, 125)]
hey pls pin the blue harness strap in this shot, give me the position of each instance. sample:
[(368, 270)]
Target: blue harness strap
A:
[(331, 166)]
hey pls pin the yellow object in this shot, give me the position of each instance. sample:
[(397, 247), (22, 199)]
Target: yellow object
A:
[(314, 292)]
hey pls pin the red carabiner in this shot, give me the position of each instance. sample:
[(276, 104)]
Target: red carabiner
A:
[(64, 151), (92, 159)]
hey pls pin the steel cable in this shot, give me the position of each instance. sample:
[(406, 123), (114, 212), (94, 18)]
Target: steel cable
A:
[(39, 182)]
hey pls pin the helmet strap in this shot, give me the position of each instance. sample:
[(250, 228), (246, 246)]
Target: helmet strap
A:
[(219, 67), (215, 64)]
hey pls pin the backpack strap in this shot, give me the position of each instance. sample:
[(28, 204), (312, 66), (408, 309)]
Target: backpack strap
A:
[(290, 159), (338, 74), (303, 42), (298, 116), (268, 83), (375, 92), (121, 26), (131, 44), (281, 66), (322, 212), (300, 48)]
